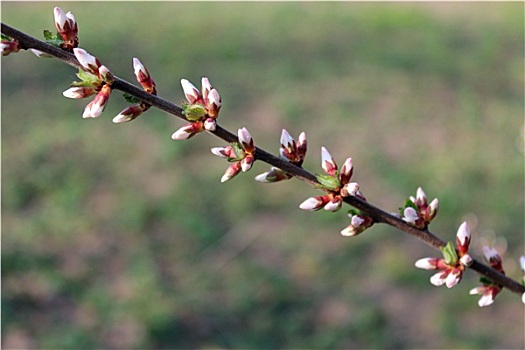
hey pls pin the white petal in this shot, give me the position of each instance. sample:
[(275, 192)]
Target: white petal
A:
[(463, 234), (426, 264)]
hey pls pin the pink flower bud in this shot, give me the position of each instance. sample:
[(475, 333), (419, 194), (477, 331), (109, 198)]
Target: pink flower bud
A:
[(439, 278), (205, 87), (466, 260), (224, 152), (232, 171), (314, 203), (454, 277), (67, 27), (463, 238), (327, 162), (192, 94), (287, 149), (346, 171), (350, 189), (128, 114), (421, 198), (79, 92), (334, 204), (428, 263), (301, 147), (106, 75), (188, 131), (410, 215), (433, 209), (247, 162), (274, 175), (245, 139), (89, 62), (494, 259), (8, 47), (210, 124), (143, 77), (488, 294), (95, 108)]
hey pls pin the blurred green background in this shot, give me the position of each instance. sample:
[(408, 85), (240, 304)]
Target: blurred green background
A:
[(115, 236)]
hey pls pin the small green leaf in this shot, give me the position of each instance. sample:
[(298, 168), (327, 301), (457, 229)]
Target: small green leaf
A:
[(408, 204), (328, 182), (194, 112), (5, 37), (131, 99), (50, 38), (354, 212), (449, 253), (239, 152)]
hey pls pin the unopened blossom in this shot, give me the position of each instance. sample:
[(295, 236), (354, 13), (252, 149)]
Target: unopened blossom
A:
[(489, 290), (418, 212), (89, 62), (128, 114), (67, 27), (292, 151), (452, 265), (188, 131), (358, 223), (335, 182), (241, 154), (95, 108), (203, 106), (143, 77), (79, 92), (9, 46)]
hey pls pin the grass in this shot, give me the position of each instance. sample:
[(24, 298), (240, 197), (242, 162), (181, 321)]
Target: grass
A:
[(114, 236)]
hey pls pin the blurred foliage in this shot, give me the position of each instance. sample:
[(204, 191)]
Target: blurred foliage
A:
[(114, 236)]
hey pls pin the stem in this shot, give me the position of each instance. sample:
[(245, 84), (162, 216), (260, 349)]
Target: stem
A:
[(377, 214)]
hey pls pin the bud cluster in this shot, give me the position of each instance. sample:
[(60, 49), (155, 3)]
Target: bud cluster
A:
[(241, 154), (202, 109), (9, 45), (147, 83), (453, 263), (95, 79), (418, 212), (67, 28), (489, 290), (290, 151)]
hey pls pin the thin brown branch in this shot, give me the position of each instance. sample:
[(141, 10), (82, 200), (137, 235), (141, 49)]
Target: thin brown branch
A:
[(377, 214)]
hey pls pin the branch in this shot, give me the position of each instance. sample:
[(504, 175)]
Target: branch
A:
[(377, 214)]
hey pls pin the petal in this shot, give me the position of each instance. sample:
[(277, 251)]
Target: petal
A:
[(439, 278), (232, 171), (421, 197), (463, 238), (314, 203), (346, 171), (89, 62), (245, 139), (454, 277), (60, 19), (327, 162), (427, 263), (410, 215), (334, 204), (191, 92)]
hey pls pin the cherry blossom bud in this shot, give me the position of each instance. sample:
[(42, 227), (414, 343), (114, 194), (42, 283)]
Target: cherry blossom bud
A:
[(428, 263), (79, 92), (327, 162), (9, 47), (210, 124), (288, 147), (188, 131), (143, 77), (454, 277), (439, 278), (61, 21), (492, 256), (232, 170), (106, 75), (346, 171), (334, 204), (410, 215), (224, 152), (192, 94), (89, 62), (314, 203), (67, 27), (350, 189), (466, 260), (128, 114), (95, 108), (488, 294), (522, 263), (433, 209), (214, 103), (205, 87), (245, 139), (463, 238), (301, 146), (274, 175), (421, 198), (247, 162)]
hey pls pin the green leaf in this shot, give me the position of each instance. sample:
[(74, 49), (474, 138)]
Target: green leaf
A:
[(328, 182), (55, 40), (449, 253), (239, 152), (408, 204), (194, 112), (131, 99)]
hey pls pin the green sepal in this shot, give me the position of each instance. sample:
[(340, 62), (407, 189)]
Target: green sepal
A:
[(86, 80), (327, 182), (354, 212), (131, 99), (5, 37), (193, 112), (50, 38), (449, 253)]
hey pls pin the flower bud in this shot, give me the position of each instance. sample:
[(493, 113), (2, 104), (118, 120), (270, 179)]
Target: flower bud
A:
[(143, 77), (245, 140), (334, 204), (128, 114), (192, 94), (89, 62), (8, 47), (188, 131), (210, 124), (314, 203), (232, 171), (106, 75), (274, 175), (327, 162), (79, 92), (463, 238), (247, 162), (95, 108)]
